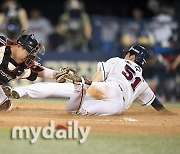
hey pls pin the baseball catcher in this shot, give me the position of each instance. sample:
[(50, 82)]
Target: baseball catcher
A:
[(19, 60)]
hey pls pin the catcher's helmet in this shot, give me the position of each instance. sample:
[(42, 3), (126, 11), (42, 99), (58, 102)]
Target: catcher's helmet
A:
[(141, 54), (32, 46)]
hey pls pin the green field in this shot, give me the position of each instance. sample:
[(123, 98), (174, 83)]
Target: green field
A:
[(96, 143)]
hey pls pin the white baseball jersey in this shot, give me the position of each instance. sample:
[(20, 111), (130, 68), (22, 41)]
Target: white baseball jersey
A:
[(128, 76)]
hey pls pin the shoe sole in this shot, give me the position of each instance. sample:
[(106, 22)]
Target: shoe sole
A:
[(15, 94), (10, 93)]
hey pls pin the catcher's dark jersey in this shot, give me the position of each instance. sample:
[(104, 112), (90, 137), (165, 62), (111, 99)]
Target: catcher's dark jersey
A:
[(9, 69)]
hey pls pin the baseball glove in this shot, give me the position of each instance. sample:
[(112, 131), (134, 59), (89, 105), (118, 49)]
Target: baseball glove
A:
[(60, 75)]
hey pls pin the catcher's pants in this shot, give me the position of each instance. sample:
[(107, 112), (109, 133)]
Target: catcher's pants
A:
[(82, 103), (46, 89), (3, 97)]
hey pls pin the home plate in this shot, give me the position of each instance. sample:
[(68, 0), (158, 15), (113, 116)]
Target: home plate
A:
[(129, 119)]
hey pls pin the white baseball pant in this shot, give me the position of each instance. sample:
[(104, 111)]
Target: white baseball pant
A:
[(82, 103)]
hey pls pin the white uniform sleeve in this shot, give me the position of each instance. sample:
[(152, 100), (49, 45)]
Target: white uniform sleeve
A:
[(105, 67), (147, 97)]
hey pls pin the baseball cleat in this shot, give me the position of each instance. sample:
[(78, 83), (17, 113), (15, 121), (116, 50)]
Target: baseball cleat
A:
[(6, 106), (7, 90), (15, 94)]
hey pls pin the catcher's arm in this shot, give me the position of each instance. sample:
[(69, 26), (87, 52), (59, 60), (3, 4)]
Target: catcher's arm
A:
[(58, 75), (52, 74), (47, 73)]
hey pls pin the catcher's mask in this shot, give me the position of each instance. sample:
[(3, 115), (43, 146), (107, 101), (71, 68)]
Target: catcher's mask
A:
[(33, 47)]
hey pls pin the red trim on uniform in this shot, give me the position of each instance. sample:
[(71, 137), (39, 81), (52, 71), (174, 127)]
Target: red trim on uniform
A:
[(33, 67), (14, 42), (6, 42)]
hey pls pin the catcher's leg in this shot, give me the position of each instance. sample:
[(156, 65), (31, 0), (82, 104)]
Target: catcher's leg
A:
[(46, 89)]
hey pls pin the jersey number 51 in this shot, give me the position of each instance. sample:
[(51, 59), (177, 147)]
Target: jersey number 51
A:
[(129, 75)]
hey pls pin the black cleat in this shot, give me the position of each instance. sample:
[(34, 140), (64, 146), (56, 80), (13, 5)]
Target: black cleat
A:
[(7, 90)]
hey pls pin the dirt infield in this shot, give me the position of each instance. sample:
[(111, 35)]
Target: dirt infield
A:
[(40, 114)]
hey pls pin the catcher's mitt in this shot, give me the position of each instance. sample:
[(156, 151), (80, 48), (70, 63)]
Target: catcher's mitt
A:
[(60, 75)]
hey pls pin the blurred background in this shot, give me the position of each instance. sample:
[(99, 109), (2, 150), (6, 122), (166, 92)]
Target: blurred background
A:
[(81, 33)]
